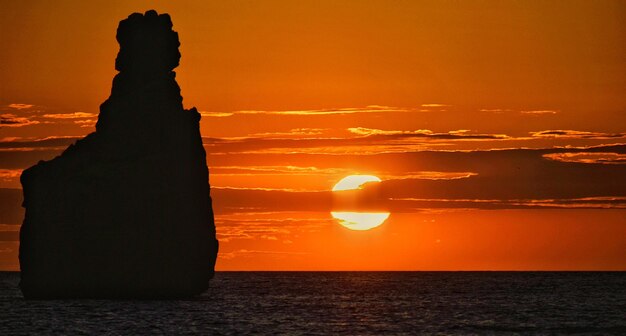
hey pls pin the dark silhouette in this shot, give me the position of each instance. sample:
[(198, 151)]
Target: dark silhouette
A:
[(126, 211)]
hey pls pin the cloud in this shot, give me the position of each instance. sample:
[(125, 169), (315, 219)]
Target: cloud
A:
[(297, 178), (429, 175), (23, 115), (365, 141), (281, 145), (315, 171), (20, 106), (354, 140), (74, 115), (280, 225), (277, 170), (216, 114), (86, 122), (523, 112), (539, 112), (461, 131), (497, 110), (578, 203), (294, 132), (398, 163), (373, 131), (82, 119), (237, 253), (434, 105), (588, 158), (489, 179), (10, 174), (504, 175), (10, 178), (571, 134), (512, 174), (333, 111), (495, 179), (305, 178), (419, 205), (229, 200), (11, 120), (424, 133)]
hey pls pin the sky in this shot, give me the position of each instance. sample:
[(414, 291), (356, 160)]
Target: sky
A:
[(496, 127)]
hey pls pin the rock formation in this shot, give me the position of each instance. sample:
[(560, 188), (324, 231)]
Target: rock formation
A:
[(126, 211)]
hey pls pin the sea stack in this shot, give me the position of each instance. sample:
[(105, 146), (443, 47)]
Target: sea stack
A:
[(126, 211)]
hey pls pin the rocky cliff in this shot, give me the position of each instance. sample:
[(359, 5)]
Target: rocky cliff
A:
[(126, 211)]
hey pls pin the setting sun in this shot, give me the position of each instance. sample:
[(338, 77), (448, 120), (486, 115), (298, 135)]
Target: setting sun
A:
[(357, 220)]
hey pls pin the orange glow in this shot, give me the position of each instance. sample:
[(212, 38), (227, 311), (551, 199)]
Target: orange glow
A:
[(493, 131)]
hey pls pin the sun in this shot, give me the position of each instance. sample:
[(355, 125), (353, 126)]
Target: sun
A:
[(355, 220)]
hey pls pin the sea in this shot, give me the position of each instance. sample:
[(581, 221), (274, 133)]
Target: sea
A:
[(343, 303)]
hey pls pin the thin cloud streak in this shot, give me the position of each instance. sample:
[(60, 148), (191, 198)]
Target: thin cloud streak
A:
[(451, 135), (571, 134), (435, 105), (9, 174), (279, 225), (522, 112), (539, 112), (364, 140), (339, 111), (74, 115), (588, 158), (237, 253), (496, 110), (416, 204), (293, 133), (315, 171), (19, 106), (354, 140), (12, 120)]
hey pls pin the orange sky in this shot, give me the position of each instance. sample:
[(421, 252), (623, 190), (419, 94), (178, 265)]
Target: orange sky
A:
[(497, 127)]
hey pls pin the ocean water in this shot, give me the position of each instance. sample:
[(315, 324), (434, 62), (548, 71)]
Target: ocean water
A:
[(344, 303)]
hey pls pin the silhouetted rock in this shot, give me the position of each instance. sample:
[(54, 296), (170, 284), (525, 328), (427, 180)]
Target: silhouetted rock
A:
[(126, 211)]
